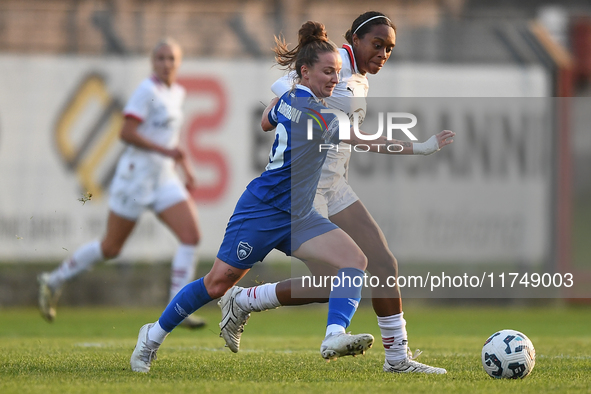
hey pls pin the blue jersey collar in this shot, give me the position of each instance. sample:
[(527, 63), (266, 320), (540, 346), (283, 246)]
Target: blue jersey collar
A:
[(307, 89)]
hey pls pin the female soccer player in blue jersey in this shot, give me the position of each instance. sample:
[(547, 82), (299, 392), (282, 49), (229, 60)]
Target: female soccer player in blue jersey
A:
[(273, 214), (370, 42)]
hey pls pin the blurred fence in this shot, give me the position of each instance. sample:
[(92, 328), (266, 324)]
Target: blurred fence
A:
[(452, 31), (222, 29)]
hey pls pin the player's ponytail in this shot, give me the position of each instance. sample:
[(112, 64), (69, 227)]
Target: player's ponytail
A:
[(312, 40)]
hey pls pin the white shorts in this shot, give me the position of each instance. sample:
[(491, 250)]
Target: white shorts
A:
[(330, 201), (126, 202)]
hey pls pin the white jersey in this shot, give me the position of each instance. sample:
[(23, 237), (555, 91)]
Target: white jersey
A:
[(349, 97), (159, 109)]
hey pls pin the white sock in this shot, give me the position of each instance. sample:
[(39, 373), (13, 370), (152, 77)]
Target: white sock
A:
[(157, 333), (182, 270), (83, 259), (333, 329), (394, 337), (258, 298)]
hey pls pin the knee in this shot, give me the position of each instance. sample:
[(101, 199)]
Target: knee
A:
[(359, 261), (216, 288), (384, 264), (192, 237), (217, 291), (110, 250)]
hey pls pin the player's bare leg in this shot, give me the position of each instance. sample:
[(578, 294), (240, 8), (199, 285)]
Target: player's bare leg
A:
[(215, 284), (387, 302), (356, 221), (118, 230), (292, 292), (181, 219), (336, 249), (51, 283)]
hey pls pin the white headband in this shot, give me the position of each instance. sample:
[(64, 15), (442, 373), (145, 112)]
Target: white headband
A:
[(371, 19)]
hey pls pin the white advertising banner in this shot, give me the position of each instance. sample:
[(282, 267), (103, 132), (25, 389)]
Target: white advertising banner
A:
[(59, 124), (485, 198)]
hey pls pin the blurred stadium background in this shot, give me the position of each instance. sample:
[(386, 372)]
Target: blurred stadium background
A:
[(68, 67)]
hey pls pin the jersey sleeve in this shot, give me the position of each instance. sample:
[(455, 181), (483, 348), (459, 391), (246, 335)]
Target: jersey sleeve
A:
[(272, 115), (284, 84), (138, 104)]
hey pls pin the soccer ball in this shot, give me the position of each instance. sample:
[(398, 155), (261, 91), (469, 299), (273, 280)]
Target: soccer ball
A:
[(508, 354)]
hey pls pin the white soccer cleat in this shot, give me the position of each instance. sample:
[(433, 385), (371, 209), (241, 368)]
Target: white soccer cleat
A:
[(234, 319), (409, 365), (48, 297), (339, 345), (144, 352)]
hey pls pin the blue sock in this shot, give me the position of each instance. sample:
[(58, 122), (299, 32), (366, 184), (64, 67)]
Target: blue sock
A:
[(344, 298), (191, 297)]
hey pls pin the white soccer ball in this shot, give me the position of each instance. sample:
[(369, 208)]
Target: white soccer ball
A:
[(508, 354)]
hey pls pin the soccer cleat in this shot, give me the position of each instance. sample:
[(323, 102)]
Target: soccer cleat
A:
[(193, 322), (144, 352), (339, 345), (409, 365), (47, 297), (234, 319)]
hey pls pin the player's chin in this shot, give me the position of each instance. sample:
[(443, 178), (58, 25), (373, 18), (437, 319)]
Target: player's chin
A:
[(328, 90), (374, 68)]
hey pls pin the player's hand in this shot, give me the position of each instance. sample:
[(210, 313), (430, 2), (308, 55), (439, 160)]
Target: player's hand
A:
[(176, 154), (185, 164), (445, 138), (190, 182)]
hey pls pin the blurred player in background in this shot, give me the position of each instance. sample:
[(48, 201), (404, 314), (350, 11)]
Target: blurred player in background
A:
[(276, 210), (145, 178), (370, 42)]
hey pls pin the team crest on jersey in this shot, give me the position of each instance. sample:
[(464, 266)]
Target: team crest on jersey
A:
[(243, 250)]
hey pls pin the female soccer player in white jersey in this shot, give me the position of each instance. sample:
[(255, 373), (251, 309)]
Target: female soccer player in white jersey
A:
[(145, 178), (370, 42), (273, 214)]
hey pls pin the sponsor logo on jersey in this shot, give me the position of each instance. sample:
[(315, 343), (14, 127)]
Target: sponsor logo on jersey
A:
[(243, 250)]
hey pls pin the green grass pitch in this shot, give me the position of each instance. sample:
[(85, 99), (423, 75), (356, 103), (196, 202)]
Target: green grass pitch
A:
[(87, 351)]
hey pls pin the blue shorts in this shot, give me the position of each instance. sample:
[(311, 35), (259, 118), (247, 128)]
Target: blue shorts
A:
[(256, 228)]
